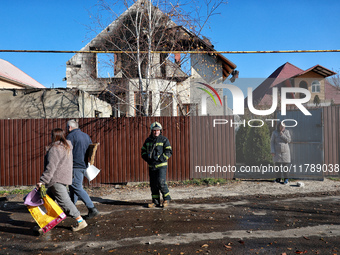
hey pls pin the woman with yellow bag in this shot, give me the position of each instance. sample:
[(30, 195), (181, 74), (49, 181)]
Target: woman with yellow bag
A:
[(58, 174)]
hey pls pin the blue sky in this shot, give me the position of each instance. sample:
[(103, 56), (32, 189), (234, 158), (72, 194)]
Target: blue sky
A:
[(243, 25)]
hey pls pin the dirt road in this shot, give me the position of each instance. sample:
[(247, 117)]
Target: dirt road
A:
[(241, 217)]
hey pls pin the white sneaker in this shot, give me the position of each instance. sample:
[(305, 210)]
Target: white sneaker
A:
[(80, 226)]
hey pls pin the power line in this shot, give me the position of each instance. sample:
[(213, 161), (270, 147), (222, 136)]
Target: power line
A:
[(174, 52)]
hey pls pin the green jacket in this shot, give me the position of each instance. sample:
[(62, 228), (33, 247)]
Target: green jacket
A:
[(156, 151)]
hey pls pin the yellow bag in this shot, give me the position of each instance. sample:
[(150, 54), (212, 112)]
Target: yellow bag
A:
[(47, 215)]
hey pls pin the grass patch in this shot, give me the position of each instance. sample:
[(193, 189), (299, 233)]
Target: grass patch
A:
[(195, 182), (200, 182), (14, 192), (143, 185), (337, 179)]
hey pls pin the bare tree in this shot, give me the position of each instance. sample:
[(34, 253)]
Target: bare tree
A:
[(143, 37), (335, 80)]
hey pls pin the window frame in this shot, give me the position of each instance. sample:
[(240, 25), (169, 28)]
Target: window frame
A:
[(316, 86)]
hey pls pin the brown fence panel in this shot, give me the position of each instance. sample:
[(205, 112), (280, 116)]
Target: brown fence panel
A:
[(331, 119), (22, 147), (23, 142), (213, 153), (176, 129), (121, 140)]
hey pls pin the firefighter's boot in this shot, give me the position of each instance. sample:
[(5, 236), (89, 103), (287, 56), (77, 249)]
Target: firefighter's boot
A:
[(166, 203), (155, 203)]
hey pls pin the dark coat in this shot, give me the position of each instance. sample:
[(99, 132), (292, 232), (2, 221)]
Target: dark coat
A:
[(156, 151), (80, 142)]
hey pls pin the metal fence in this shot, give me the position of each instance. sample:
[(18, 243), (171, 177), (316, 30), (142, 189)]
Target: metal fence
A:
[(331, 126), (194, 140), (23, 142), (213, 149), (320, 134)]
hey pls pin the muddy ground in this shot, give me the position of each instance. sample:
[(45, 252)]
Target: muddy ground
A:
[(241, 217)]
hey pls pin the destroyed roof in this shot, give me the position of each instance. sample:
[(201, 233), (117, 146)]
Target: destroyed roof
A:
[(228, 66), (12, 74)]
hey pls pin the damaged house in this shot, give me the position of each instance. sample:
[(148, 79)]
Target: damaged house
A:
[(139, 65), (22, 97), (51, 103)]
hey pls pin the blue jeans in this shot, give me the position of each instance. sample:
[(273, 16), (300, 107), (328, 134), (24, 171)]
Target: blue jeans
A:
[(76, 189)]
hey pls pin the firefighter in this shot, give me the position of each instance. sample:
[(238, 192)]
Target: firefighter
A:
[(156, 151)]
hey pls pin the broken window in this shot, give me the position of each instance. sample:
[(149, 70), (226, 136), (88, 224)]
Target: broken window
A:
[(120, 107), (188, 109), (105, 65), (166, 104), (185, 109), (174, 64), (97, 114), (162, 60)]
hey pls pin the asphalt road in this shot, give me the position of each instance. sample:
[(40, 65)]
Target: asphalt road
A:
[(259, 224)]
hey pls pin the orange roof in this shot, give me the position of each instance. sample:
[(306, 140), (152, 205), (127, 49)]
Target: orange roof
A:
[(13, 74)]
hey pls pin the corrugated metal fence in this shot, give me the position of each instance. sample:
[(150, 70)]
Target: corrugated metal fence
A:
[(22, 147), (331, 122), (196, 144), (212, 147)]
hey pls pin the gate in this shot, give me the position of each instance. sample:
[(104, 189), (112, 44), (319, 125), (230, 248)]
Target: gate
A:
[(306, 147)]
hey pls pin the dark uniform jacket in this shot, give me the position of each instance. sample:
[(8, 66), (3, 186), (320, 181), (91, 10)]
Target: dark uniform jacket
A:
[(156, 151)]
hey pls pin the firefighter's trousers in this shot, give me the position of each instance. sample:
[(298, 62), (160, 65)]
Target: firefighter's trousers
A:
[(158, 184)]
